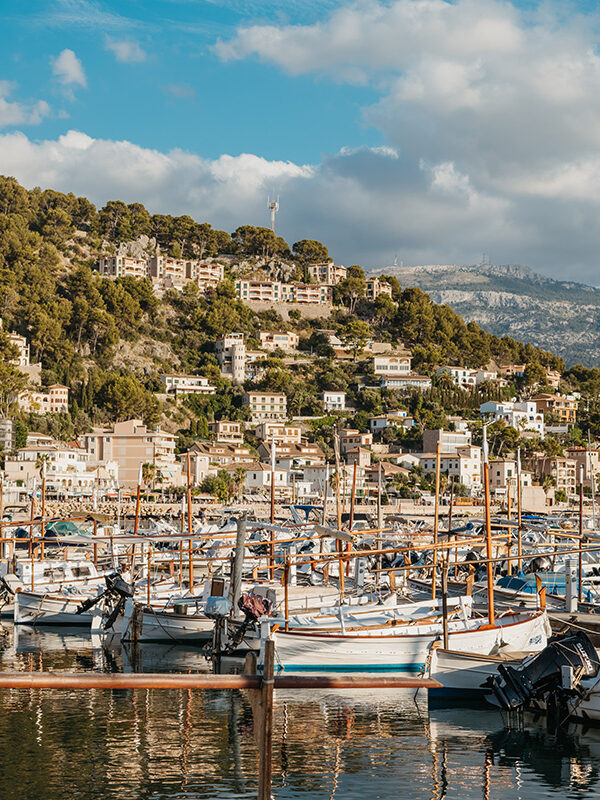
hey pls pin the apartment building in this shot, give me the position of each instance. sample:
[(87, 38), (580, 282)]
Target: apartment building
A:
[(55, 400), (232, 356), (467, 378), (388, 364), (393, 419), (176, 384), (273, 340), (553, 378), (22, 359), (376, 287), (333, 401), (503, 472), (524, 416), (329, 274), (7, 435), (563, 471), (163, 270), (227, 431), (123, 266), (276, 292), (450, 441), (279, 433), (292, 456), (220, 454), (587, 459), (131, 443), (70, 471), (464, 464), (401, 382), (563, 406), (266, 406), (351, 438)]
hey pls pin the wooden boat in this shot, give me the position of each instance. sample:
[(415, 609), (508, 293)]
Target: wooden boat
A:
[(406, 647)]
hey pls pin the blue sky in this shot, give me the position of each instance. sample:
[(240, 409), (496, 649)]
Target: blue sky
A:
[(426, 130), (180, 94)]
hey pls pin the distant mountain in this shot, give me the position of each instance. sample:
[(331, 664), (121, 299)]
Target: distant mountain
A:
[(561, 316)]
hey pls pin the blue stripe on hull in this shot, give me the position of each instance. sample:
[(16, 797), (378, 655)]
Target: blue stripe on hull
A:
[(352, 667)]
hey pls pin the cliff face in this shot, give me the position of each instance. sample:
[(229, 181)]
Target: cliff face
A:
[(560, 316)]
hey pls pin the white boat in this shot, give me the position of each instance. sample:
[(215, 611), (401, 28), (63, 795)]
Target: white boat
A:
[(463, 674), (49, 608), (406, 647), (148, 624)]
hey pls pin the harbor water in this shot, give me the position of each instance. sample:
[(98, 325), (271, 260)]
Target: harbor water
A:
[(176, 745)]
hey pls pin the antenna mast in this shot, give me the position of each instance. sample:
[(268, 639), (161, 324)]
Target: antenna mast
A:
[(273, 207)]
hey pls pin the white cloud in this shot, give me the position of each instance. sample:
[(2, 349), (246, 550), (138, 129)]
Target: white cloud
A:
[(127, 50), (68, 70), (498, 106), (15, 113)]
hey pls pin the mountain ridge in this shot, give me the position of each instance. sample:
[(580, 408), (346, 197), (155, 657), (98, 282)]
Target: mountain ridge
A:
[(511, 299)]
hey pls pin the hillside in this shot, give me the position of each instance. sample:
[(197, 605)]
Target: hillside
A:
[(561, 316), (109, 339)]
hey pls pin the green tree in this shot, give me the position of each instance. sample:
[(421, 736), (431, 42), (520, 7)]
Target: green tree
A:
[(354, 335)]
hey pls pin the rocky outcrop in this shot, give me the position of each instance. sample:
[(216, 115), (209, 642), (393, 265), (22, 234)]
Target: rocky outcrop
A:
[(511, 300)]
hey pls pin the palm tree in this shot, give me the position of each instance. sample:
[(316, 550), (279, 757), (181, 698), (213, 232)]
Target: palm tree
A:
[(43, 458), (239, 478)]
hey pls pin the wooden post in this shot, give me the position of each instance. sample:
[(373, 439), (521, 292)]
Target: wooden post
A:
[(445, 601), (519, 514), (95, 544), (272, 489), (508, 513), (436, 514), (336, 449), (580, 554), (266, 751), (136, 522), (488, 543), (353, 496), (325, 493), (286, 592), (190, 526), (43, 513), (450, 514), (148, 576)]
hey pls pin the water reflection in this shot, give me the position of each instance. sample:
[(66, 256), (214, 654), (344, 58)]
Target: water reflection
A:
[(192, 744)]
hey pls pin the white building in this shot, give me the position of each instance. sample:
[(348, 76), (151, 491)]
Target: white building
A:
[(266, 406), (186, 384), (69, 470), (524, 416), (279, 433), (467, 378), (392, 364), (54, 400), (420, 382), (274, 340), (333, 401), (226, 431), (393, 419), (464, 464)]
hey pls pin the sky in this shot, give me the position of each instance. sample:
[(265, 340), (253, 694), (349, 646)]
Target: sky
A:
[(419, 130)]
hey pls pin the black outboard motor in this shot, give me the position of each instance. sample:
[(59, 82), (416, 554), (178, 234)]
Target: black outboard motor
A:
[(515, 687), (116, 588)]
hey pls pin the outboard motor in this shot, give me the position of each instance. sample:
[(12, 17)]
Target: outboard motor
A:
[(117, 589), (515, 687), (253, 605)]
